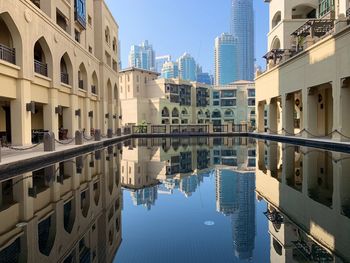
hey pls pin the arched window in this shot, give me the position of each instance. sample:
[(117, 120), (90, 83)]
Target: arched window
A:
[(107, 35), (94, 85), (82, 77), (276, 44), (216, 114), (276, 19), (66, 69), (115, 92), (42, 58), (165, 112), (175, 113)]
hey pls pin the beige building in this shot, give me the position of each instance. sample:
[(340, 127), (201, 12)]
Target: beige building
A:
[(305, 89), (233, 103), (67, 212), (145, 97), (59, 68)]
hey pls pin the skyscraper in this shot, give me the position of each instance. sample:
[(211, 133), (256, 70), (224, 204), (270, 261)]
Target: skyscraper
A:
[(242, 28), (204, 77), (160, 62), (142, 56), (226, 68), (187, 67), (170, 70)]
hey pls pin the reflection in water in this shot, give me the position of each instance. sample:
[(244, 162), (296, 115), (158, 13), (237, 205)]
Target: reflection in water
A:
[(308, 204), (66, 212), (71, 211)]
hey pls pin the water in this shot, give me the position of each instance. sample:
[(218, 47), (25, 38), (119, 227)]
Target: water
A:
[(181, 200)]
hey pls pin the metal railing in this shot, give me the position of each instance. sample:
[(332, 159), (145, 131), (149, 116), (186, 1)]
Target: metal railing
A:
[(189, 128), (139, 129), (220, 128), (64, 78), (40, 68), (240, 128), (7, 54), (81, 84), (158, 129), (93, 89)]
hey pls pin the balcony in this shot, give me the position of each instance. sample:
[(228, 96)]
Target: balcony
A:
[(7, 54), (40, 68), (65, 78)]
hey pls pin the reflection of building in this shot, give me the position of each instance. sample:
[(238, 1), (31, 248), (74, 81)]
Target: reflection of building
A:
[(311, 104), (58, 60), (311, 187), (69, 212), (142, 56), (235, 197), (145, 196), (233, 103)]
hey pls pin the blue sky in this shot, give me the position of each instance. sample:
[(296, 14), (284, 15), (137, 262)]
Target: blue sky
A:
[(175, 27)]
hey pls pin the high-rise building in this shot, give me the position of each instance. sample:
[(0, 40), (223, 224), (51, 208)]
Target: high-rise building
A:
[(142, 56), (160, 61), (204, 77), (187, 67), (170, 70), (226, 67), (242, 28)]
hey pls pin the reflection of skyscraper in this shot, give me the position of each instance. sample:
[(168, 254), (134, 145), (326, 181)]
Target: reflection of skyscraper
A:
[(189, 184), (146, 196), (235, 197)]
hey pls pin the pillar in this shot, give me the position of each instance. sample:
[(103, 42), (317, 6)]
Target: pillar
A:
[(21, 128), (310, 112), (272, 120), (50, 116), (261, 116), (288, 113), (70, 118)]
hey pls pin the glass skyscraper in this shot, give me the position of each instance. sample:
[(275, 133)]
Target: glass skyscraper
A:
[(170, 70), (160, 61), (226, 68), (242, 28), (142, 56), (187, 67)]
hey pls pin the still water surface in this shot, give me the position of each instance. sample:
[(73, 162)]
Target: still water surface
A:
[(181, 200)]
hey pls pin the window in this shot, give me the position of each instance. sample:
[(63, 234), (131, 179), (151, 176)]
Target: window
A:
[(325, 7), (228, 103), (77, 35), (251, 92), (61, 20), (216, 103), (228, 93), (89, 20), (137, 78), (90, 49), (80, 12), (128, 77), (138, 88), (251, 102), (145, 80), (216, 95)]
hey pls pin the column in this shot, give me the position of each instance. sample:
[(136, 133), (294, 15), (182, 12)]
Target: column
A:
[(310, 112), (21, 128), (70, 118), (288, 163), (261, 116), (288, 113), (50, 116), (272, 120)]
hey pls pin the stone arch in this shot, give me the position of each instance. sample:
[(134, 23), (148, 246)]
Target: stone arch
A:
[(276, 19), (66, 69), (229, 113), (107, 35), (46, 235), (304, 11), (11, 39), (43, 58), (216, 113), (82, 77), (276, 43)]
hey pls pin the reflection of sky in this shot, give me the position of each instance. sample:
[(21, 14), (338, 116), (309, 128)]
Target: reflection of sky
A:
[(174, 230)]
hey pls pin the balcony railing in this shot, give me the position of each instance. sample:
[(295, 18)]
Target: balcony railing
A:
[(40, 68), (93, 89), (64, 78), (7, 54), (81, 84)]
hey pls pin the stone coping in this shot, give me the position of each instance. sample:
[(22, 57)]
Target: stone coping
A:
[(33, 160)]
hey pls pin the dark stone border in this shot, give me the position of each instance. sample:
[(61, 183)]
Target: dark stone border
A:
[(19, 167)]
